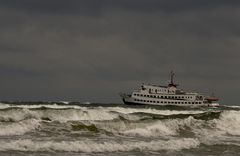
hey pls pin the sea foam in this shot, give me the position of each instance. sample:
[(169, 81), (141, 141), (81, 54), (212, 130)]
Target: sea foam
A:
[(91, 146), (18, 128)]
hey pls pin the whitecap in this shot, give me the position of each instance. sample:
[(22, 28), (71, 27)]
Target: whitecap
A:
[(93, 146)]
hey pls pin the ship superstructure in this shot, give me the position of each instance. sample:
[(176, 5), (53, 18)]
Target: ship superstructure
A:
[(167, 95)]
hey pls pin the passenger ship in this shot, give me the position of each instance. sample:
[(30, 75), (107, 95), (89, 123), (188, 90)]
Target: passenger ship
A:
[(167, 95)]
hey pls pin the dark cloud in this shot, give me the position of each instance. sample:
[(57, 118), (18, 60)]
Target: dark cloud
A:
[(91, 50), (96, 7)]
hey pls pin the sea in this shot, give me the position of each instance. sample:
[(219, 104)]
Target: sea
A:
[(77, 129)]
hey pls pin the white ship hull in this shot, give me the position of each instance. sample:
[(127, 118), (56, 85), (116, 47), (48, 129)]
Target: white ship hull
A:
[(132, 101)]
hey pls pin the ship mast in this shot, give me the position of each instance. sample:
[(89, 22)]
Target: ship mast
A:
[(172, 84)]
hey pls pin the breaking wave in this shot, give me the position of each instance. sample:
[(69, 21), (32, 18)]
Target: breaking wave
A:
[(207, 125), (91, 146), (63, 113), (18, 128)]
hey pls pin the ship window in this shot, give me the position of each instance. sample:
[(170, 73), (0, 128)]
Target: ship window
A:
[(157, 101)]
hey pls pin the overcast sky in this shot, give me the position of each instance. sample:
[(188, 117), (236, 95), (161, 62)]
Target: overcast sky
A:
[(90, 50)]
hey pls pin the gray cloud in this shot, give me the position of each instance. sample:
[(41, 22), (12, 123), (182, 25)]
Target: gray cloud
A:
[(91, 50)]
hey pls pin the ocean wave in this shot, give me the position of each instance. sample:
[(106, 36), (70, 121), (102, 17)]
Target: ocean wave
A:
[(226, 123), (83, 114), (145, 122), (18, 128), (74, 113), (163, 128), (93, 146)]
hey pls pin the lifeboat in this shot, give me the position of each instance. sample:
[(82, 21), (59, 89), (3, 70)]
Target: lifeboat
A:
[(210, 99)]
